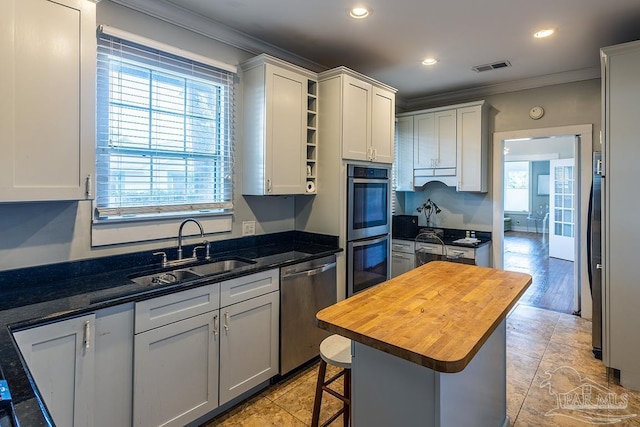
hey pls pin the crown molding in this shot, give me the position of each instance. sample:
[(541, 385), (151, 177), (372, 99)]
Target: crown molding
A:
[(512, 86), (215, 30)]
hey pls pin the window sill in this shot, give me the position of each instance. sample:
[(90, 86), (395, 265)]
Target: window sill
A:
[(127, 230)]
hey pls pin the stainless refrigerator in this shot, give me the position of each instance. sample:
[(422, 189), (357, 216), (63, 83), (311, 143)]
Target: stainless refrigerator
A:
[(594, 253)]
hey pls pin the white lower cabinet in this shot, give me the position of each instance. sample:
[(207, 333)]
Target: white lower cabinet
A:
[(191, 356), (176, 372), (82, 366), (60, 357), (403, 257), (248, 344), (165, 361)]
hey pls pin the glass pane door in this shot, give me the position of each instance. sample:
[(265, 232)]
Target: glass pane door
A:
[(562, 201)]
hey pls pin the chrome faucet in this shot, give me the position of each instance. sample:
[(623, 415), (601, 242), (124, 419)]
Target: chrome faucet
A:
[(180, 234)]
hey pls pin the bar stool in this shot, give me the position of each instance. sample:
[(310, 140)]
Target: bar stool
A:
[(334, 350)]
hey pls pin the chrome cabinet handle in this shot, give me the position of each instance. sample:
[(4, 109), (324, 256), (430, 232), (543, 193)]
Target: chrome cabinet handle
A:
[(87, 335), (226, 320), (215, 325)]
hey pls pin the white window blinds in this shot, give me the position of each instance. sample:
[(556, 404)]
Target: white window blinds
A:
[(164, 132)]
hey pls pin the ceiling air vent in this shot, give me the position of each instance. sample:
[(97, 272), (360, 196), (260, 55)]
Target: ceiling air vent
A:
[(493, 66)]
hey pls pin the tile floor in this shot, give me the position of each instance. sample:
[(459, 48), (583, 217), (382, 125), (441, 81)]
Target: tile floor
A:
[(548, 354)]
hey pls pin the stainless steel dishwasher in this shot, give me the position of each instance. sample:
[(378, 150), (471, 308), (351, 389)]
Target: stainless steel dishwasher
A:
[(305, 289)]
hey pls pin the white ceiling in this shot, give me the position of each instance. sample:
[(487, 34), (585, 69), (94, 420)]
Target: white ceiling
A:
[(390, 44)]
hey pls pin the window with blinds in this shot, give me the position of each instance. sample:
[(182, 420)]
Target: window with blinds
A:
[(164, 133)]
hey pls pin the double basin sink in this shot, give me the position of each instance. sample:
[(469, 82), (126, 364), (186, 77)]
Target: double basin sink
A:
[(191, 272)]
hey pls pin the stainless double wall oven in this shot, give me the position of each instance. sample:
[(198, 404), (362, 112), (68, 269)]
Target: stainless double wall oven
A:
[(368, 227)]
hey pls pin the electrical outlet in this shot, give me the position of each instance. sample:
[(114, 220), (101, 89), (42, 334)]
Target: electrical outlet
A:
[(248, 228)]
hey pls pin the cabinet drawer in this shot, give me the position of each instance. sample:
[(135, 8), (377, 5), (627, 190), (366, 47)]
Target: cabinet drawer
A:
[(246, 287), (469, 253), (404, 246), (174, 307)]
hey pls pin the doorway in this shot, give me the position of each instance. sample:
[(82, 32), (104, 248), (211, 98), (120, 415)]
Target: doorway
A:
[(539, 179), (583, 149)]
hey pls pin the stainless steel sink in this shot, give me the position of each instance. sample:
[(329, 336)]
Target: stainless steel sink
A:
[(222, 266), (192, 272), (166, 278)]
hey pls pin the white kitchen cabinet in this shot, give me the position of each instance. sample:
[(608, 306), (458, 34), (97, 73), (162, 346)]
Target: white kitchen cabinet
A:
[(471, 139), (191, 356), (403, 257), (60, 357), (47, 100), (280, 110), (365, 110), (435, 142), (176, 345), (83, 367), (404, 152), (383, 106), (113, 393), (249, 344), (176, 372), (450, 146)]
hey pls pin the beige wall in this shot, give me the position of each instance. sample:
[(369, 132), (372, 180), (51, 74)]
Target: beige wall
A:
[(565, 104)]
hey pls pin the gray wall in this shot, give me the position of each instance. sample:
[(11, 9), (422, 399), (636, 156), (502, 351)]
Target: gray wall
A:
[(43, 233), (565, 104)]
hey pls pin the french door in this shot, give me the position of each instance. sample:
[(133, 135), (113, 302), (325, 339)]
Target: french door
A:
[(562, 208)]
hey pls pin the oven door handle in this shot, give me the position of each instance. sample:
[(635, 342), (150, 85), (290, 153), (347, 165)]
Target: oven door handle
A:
[(359, 243), (369, 181)]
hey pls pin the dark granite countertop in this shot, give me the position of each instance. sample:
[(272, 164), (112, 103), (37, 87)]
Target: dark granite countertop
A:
[(450, 235), (39, 295)]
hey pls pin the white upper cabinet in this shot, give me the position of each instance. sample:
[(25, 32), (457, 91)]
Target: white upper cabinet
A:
[(364, 111), (435, 142), (279, 126), (47, 100), (356, 124), (449, 145), (472, 148), (383, 106), (404, 149)]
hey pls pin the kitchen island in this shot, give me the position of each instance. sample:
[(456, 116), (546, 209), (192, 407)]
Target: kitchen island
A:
[(429, 346)]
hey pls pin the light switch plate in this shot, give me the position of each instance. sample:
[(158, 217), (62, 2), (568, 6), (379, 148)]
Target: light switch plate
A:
[(248, 228)]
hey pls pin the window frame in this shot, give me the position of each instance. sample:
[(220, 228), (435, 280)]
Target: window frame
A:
[(224, 181)]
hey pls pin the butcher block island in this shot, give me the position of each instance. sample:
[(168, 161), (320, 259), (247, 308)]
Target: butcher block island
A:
[(429, 346)]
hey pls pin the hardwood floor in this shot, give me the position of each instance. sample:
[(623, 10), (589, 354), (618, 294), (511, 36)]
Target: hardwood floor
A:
[(552, 286)]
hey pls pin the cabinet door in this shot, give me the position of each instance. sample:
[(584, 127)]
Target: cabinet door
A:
[(445, 134), (286, 114), (60, 358), (401, 263), (176, 372), (425, 145), (47, 88), (382, 125), (356, 119), (113, 398), (248, 344), (404, 150), (472, 150)]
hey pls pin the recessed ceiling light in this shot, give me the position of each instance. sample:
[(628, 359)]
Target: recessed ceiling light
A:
[(544, 33), (429, 61), (359, 12)]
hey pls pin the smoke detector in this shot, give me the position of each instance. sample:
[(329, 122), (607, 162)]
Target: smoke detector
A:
[(492, 66)]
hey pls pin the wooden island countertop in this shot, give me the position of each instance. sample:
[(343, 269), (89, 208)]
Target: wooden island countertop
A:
[(438, 315)]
